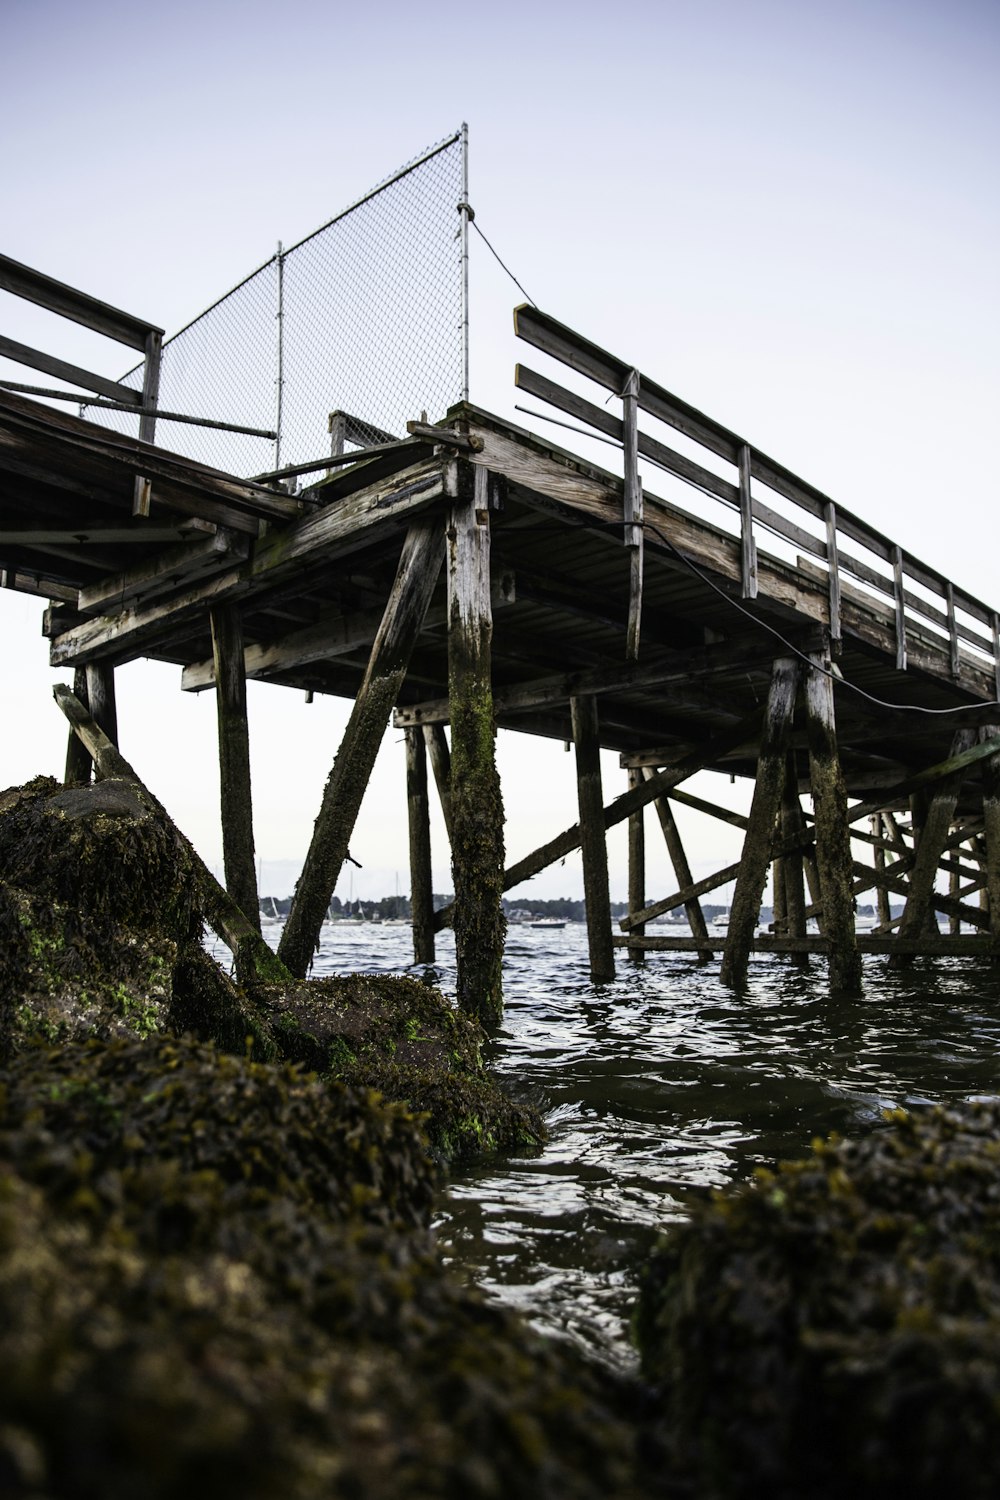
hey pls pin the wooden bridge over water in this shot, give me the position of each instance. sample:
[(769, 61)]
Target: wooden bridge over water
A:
[(472, 575)]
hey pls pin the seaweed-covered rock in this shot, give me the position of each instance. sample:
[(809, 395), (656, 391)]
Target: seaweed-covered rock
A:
[(834, 1328), (100, 922), (215, 1279), (402, 1037)]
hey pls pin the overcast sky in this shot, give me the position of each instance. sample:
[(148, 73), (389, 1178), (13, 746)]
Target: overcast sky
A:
[(786, 213)]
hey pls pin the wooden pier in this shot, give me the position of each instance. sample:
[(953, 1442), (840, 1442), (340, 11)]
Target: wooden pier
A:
[(472, 575)]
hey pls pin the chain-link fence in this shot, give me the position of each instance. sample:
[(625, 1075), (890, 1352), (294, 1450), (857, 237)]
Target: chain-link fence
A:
[(366, 315)]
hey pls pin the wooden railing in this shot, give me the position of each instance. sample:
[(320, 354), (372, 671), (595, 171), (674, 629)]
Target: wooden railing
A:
[(67, 302), (951, 612)]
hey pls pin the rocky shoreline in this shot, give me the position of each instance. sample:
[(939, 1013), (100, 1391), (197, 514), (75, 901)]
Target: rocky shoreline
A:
[(217, 1273)]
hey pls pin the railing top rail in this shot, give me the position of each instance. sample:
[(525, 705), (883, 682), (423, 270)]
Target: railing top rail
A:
[(68, 302), (588, 359)]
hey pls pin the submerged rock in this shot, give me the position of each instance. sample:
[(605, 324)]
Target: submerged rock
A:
[(402, 1037), (834, 1328), (216, 1278)]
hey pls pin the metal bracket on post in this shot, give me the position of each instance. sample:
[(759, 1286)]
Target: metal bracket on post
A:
[(632, 530), (748, 547)]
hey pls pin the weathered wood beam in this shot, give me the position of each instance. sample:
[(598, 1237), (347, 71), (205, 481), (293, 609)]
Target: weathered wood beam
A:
[(966, 946), (680, 898), (238, 855), (172, 568), (440, 756), (79, 762), (636, 865), (53, 432), (792, 866), (678, 857), (416, 577), (68, 302), (225, 918), (101, 700), (991, 823), (335, 531), (477, 820), (831, 828), (758, 844), (660, 671), (22, 354), (936, 825), (333, 634), (587, 741), (418, 820)]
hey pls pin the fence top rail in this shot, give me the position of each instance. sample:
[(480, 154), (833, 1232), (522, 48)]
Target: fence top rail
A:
[(587, 358), (56, 296)]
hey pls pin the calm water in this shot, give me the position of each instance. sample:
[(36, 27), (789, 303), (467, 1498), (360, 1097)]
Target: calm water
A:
[(662, 1085)]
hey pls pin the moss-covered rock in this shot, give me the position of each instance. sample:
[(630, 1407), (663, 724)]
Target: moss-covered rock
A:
[(834, 1328), (215, 1278), (100, 924), (402, 1037)]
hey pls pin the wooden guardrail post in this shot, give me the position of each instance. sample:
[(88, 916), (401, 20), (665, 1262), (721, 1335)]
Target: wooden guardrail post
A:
[(748, 547), (900, 607), (633, 511)]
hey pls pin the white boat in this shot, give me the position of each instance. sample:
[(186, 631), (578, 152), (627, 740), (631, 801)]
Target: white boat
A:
[(550, 922)]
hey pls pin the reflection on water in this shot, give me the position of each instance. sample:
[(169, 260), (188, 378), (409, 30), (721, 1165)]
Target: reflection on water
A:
[(663, 1084)]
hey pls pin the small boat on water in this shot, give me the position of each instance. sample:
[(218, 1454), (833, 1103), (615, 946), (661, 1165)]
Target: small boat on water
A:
[(548, 922)]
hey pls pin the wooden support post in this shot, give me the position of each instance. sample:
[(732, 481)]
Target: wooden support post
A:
[(477, 820), (935, 824), (792, 864), (78, 758), (759, 840), (238, 856), (600, 938), (418, 817), (881, 891), (636, 867), (416, 576), (101, 699), (251, 954), (436, 742), (834, 862), (991, 826), (682, 870)]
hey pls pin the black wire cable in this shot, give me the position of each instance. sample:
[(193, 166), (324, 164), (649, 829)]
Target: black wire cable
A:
[(510, 273)]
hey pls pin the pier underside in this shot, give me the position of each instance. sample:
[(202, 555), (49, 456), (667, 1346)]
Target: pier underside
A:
[(472, 575)]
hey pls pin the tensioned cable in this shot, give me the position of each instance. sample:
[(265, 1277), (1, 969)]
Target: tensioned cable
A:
[(500, 263), (836, 677)]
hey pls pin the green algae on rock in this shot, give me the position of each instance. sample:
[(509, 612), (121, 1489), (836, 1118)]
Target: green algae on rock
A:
[(100, 912), (402, 1037), (834, 1328), (215, 1277)]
